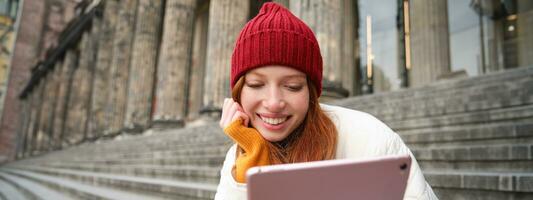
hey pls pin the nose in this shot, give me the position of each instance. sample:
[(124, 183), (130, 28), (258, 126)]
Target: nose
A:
[(274, 100)]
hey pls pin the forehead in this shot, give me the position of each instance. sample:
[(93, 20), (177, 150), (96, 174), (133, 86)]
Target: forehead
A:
[(276, 71)]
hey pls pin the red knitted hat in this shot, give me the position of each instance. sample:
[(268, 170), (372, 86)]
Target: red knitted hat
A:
[(276, 37)]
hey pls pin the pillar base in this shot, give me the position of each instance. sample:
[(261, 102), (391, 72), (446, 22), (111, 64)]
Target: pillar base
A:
[(211, 112), (164, 124), (134, 129), (333, 91)]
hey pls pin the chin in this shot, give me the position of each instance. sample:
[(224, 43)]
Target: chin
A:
[(273, 137)]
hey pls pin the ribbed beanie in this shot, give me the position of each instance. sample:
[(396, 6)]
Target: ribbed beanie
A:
[(276, 37)]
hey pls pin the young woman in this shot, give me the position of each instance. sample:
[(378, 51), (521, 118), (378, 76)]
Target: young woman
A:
[(275, 117)]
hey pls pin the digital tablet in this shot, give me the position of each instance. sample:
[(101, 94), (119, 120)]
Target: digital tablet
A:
[(375, 178)]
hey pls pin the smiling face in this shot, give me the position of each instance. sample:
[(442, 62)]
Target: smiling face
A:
[(276, 98)]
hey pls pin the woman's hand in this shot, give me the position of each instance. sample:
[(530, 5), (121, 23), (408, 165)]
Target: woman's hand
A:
[(256, 151), (232, 111)]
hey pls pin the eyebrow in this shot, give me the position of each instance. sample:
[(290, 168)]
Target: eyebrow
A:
[(284, 77)]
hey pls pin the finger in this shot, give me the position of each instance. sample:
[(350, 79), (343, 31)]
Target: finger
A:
[(231, 112), (225, 109), (240, 116), (224, 105), (245, 118), (235, 117)]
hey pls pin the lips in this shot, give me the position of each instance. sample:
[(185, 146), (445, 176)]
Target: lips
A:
[(273, 119)]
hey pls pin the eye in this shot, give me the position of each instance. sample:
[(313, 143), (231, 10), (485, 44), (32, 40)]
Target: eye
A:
[(294, 88), (254, 84)]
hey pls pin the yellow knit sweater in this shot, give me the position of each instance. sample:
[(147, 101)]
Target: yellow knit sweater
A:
[(256, 152)]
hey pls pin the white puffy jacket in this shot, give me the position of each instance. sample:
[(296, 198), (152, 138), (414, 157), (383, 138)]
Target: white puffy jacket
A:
[(360, 135)]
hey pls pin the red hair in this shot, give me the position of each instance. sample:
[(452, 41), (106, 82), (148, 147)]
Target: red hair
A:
[(315, 139)]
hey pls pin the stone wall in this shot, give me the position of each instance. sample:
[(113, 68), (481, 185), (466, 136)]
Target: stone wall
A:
[(38, 28)]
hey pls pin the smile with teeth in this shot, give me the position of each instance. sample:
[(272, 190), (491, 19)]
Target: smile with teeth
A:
[(274, 121)]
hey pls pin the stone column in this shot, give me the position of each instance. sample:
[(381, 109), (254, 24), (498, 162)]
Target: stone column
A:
[(143, 65), (55, 75), (79, 102), (120, 64), (103, 29), (31, 122), (325, 19), (87, 68), (26, 126), (174, 63), (46, 109), (63, 96), (72, 112), (524, 30), (226, 19), (21, 130), (350, 77), (430, 46), (197, 71), (37, 107)]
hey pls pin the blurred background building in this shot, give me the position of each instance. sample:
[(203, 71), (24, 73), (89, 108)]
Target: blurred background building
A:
[(122, 96), (8, 14)]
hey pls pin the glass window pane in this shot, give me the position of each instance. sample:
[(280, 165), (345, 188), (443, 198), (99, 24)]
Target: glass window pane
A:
[(379, 43), (465, 51)]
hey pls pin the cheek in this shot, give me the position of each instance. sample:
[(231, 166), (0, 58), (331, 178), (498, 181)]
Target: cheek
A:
[(301, 104), (248, 102), (302, 111)]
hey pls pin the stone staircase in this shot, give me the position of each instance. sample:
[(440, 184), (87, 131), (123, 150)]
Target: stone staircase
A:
[(177, 164), (473, 139)]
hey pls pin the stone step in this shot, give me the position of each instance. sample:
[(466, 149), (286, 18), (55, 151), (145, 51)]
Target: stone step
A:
[(33, 189), (182, 151), (179, 173), (151, 145), (493, 133), (85, 191), (512, 114), (169, 188), (10, 192), (469, 95), (476, 153), (449, 86), (96, 150), (200, 150), (437, 105), (132, 145), (176, 137), (517, 166), (490, 181), (206, 160), (172, 136), (467, 194)]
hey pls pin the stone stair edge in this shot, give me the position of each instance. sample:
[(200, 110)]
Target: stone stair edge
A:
[(12, 191), (501, 152), (479, 117), (508, 182), (82, 190), (167, 183), (475, 132), (37, 189), (449, 84)]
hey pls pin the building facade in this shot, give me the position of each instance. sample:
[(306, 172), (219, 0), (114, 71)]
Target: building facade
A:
[(98, 69)]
